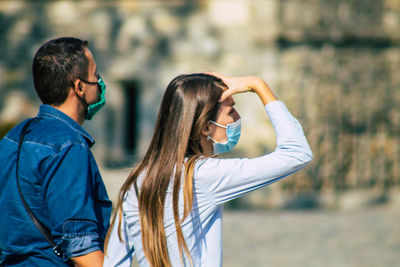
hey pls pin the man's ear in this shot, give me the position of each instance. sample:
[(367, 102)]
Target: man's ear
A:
[(77, 87)]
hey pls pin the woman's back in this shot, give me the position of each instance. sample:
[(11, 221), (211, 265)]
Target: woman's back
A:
[(201, 227)]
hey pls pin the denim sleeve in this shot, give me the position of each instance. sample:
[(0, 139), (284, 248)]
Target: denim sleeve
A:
[(69, 190)]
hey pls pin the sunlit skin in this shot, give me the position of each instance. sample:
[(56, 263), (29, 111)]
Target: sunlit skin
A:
[(93, 259), (91, 91), (82, 94), (227, 113)]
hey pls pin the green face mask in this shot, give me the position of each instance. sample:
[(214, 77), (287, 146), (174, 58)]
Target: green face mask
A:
[(95, 107)]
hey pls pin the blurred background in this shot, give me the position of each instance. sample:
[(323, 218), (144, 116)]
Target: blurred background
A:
[(335, 63)]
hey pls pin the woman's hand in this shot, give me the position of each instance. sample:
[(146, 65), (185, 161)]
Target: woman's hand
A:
[(243, 84)]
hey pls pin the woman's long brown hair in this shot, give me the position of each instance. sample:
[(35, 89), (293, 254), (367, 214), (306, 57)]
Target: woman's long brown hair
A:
[(189, 102)]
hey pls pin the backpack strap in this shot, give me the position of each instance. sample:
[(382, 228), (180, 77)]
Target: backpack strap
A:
[(45, 232)]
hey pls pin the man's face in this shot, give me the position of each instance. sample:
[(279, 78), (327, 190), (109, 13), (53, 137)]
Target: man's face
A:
[(92, 92)]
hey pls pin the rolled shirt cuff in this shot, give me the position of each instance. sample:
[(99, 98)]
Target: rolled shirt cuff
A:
[(79, 238), (80, 245)]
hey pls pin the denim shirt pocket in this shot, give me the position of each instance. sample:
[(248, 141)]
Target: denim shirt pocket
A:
[(79, 238)]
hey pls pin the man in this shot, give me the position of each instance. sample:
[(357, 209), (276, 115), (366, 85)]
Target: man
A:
[(57, 173)]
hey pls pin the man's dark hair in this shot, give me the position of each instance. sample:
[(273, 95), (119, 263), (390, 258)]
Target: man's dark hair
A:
[(56, 64)]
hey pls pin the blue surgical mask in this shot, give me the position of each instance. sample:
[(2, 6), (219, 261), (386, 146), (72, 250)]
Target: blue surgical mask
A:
[(233, 131), (95, 107)]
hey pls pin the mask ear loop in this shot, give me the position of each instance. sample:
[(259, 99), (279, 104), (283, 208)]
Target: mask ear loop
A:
[(220, 125), (210, 138), (215, 142)]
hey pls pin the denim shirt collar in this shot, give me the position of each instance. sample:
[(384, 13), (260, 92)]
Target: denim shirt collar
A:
[(49, 111)]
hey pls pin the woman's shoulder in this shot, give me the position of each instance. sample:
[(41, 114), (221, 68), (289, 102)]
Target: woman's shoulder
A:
[(130, 198)]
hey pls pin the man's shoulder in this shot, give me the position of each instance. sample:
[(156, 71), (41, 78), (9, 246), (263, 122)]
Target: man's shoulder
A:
[(46, 137), (54, 133)]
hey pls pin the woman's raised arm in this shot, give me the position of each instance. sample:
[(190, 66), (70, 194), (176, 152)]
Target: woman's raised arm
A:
[(243, 84)]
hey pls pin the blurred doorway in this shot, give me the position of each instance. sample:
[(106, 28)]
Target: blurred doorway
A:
[(122, 122), (132, 96)]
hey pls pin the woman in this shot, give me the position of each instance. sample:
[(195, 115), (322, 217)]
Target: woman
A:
[(170, 208)]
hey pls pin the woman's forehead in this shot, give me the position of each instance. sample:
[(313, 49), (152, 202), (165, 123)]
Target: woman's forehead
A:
[(229, 101)]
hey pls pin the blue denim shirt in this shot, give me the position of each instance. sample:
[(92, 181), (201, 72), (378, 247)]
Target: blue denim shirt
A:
[(62, 185)]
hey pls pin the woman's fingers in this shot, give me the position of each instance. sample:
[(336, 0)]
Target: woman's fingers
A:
[(243, 84), (224, 78), (235, 85), (216, 74), (225, 95)]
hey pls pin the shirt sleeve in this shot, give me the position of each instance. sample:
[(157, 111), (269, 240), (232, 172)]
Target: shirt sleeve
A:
[(69, 190), (225, 179)]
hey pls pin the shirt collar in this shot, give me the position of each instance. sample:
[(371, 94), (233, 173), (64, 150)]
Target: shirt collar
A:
[(49, 111)]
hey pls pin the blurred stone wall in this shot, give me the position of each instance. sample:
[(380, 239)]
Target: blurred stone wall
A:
[(335, 64), (344, 58)]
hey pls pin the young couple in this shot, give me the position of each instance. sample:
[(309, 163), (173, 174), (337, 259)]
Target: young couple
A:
[(169, 211)]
